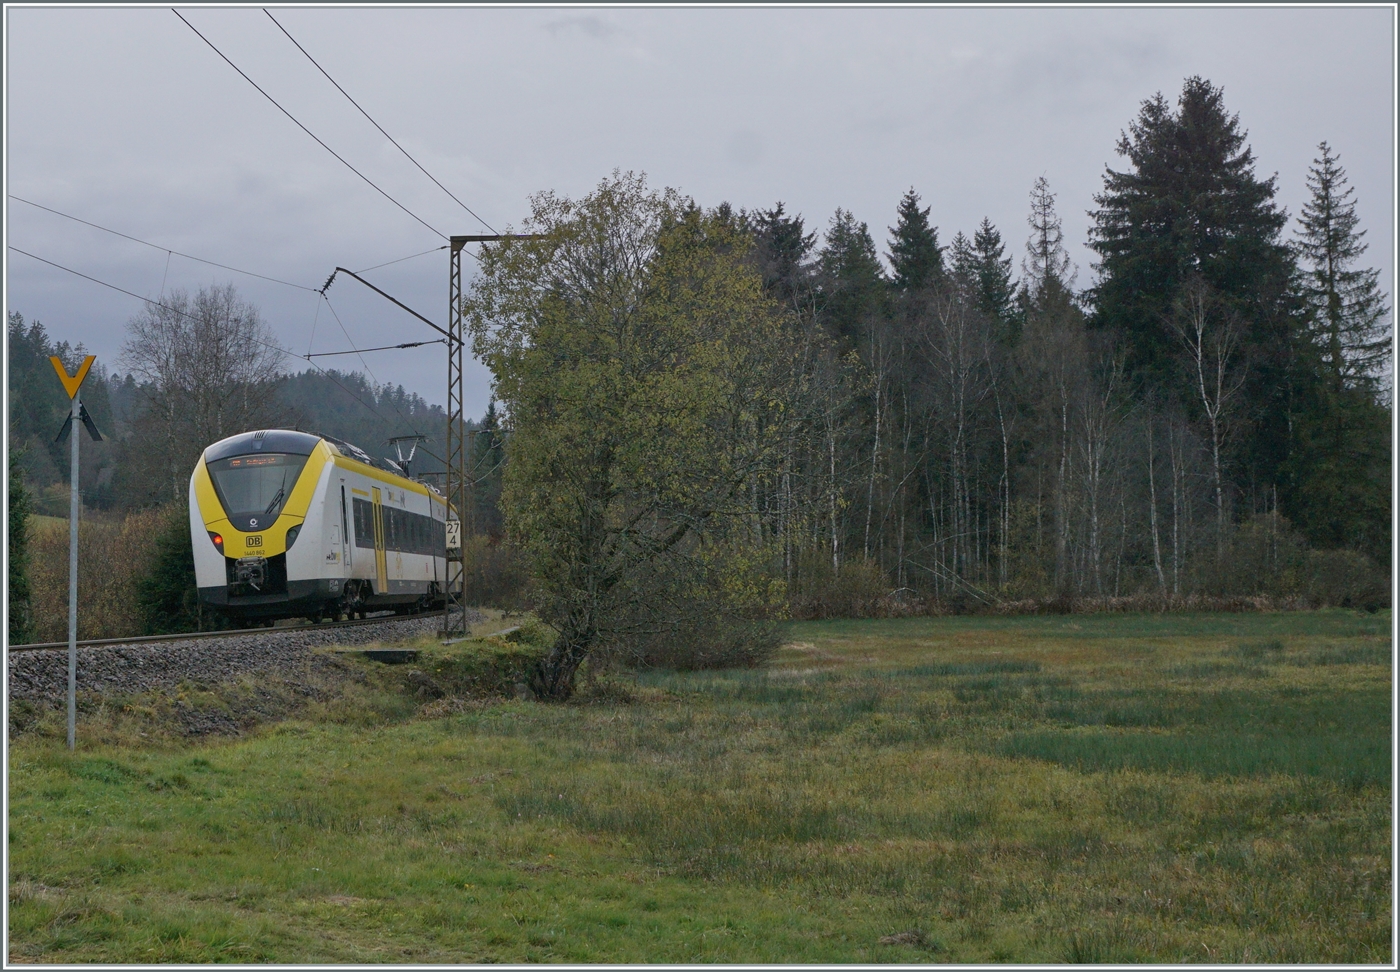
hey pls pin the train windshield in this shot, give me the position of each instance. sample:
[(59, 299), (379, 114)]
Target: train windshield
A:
[(254, 488)]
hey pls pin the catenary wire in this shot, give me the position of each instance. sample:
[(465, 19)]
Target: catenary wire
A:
[(157, 246), (375, 412), (348, 339), (305, 129), (387, 347), (402, 259), (377, 125), (406, 420)]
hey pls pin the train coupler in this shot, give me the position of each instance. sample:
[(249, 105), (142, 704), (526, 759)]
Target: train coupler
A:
[(251, 571)]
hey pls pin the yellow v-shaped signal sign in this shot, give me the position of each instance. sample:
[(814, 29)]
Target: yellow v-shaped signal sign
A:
[(71, 385)]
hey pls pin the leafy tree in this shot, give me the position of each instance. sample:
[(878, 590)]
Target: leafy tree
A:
[(19, 619), (1348, 307), (916, 259), (1190, 207), (641, 367)]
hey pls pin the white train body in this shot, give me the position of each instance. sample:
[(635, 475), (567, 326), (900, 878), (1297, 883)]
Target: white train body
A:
[(289, 524)]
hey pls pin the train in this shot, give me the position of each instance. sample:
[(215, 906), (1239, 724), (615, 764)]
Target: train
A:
[(291, 524)]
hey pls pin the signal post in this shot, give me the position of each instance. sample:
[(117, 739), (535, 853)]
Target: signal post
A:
[(71, 384)]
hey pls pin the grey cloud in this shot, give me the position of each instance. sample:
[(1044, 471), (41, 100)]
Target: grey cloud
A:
[(595, 27)]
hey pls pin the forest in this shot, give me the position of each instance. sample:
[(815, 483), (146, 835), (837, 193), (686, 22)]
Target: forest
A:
[(960, 426), (1215, 403)]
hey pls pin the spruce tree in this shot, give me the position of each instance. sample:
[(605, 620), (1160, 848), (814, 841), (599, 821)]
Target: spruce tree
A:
[(916, 259), (852, 279), (1348, 323), (1339, 472), (962, 263), (996, 294), (1047, 263), (167, 594), (783, 249), (1189, 207)]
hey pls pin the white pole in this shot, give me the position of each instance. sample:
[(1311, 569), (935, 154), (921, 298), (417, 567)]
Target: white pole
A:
[(74, 433)]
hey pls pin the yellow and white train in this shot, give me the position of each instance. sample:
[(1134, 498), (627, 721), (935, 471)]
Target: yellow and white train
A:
[(290, 524)]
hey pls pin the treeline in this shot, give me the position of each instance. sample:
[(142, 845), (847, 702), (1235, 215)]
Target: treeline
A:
[(1214, 403)]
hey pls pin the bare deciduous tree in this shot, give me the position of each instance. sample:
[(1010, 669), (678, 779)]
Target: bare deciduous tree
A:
[(1211, 336), (206, 364)]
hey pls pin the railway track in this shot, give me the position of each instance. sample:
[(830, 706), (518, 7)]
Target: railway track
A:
[(301, 655), (232, 633)]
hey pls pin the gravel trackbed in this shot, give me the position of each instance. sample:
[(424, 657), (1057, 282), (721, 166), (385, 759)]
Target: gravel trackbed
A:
[(42, 676)]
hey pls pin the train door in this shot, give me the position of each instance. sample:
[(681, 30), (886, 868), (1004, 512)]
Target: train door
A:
[(381, 569), (346, 540)]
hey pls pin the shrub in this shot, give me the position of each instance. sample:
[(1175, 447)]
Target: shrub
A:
[(168, 593), (495, 574), (718, 608), (858, 590), (18, 514), (483, 666), (1345, 578)]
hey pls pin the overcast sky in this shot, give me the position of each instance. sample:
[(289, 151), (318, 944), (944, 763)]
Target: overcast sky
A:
[(125, 118)]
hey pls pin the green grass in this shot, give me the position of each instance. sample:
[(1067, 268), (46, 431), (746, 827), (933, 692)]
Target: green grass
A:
[(1116, 788)]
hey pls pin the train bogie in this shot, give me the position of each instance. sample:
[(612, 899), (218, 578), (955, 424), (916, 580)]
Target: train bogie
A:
[(289, 524)]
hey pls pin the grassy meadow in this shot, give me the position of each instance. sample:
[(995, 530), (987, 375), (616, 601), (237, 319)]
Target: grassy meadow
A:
[(1111, 788)]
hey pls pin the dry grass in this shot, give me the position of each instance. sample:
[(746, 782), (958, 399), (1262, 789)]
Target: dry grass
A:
[(112, 555)]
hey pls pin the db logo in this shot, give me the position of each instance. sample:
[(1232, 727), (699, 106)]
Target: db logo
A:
[(255, 541)]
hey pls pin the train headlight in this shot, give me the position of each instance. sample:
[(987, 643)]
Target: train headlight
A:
[(217, 541), (292, 535)]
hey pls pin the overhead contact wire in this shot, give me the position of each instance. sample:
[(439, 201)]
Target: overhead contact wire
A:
[(378, 126), (157, 246), (358, 352), (308, 131), (102, 283), (402, 259)]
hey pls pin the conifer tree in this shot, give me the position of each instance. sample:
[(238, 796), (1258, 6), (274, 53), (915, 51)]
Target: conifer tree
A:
[(783, 248), (916, 258), (996, 295), (960, 257), (852, 279), (1348, 323), (1046, 264), (1189, 210)]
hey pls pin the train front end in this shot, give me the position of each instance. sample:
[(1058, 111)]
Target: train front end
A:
[(255, 525)]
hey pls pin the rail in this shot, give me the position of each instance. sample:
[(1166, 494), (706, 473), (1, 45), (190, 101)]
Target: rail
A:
[(232, 633)]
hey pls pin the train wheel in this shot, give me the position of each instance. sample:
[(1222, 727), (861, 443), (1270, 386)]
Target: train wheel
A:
[(351, 605)]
